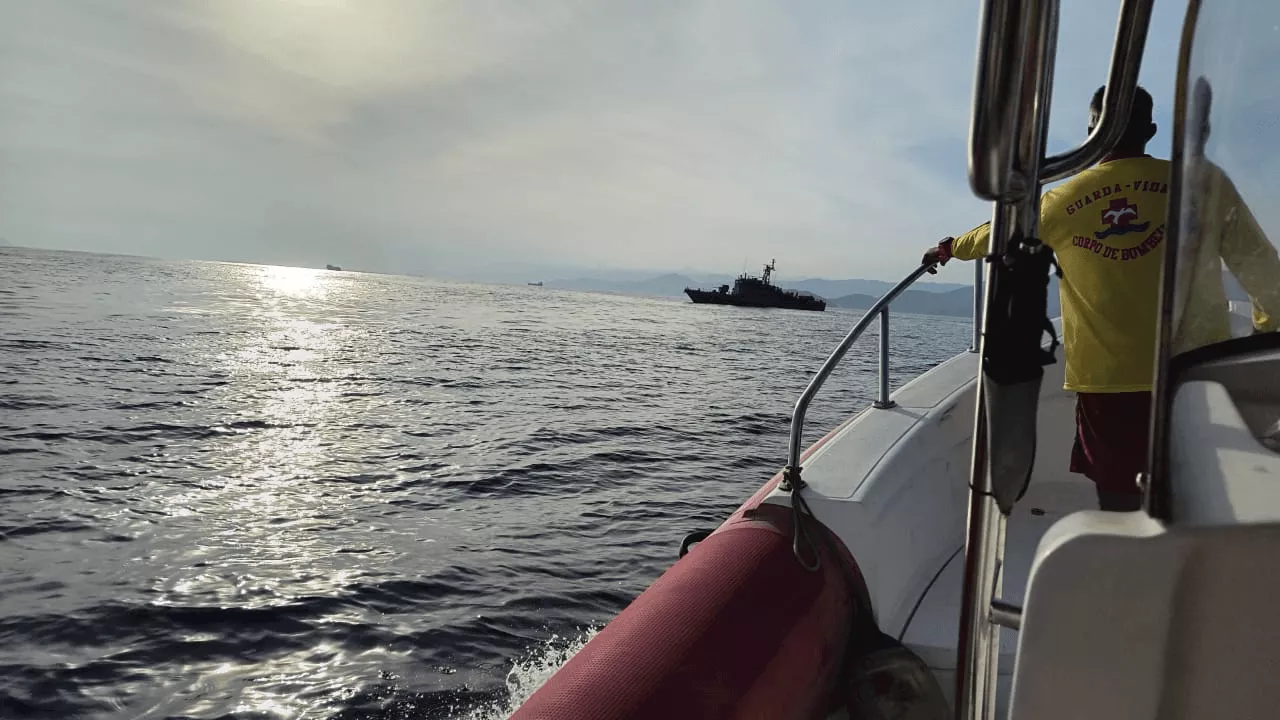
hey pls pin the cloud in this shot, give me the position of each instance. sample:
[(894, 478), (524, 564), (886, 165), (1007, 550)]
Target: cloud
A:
[(414, 135)]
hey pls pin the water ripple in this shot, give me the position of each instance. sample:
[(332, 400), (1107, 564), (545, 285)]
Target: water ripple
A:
[(236, 491)]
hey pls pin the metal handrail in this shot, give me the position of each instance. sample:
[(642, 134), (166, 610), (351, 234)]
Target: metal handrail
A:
[(998, 78), (879, 309), (979, 300), (993, 171), (1117, 99)]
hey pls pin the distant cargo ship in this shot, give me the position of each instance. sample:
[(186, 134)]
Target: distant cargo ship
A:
[(751, 291)]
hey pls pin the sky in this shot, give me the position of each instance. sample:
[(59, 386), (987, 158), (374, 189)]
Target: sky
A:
[(459, 138)]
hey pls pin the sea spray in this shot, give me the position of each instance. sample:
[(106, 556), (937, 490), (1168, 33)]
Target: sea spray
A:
[(528, 673)]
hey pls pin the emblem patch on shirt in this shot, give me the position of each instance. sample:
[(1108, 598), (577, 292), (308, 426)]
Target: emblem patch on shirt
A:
[(1119, 217)]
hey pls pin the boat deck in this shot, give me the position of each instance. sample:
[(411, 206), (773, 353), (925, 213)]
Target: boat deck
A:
[(893, 485), (934, 628)]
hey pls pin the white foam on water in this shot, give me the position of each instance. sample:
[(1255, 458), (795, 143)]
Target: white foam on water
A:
[(527, 674)]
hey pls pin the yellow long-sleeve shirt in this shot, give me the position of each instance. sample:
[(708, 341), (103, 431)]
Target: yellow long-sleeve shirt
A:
[(1225, 231), (1107, 228)]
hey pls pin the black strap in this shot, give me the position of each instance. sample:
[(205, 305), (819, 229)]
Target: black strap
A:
[(801, 515)]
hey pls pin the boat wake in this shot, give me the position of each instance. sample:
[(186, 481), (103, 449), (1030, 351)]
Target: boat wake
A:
[(527, 674)]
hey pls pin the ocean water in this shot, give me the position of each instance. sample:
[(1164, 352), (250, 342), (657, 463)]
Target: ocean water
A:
[(240, 491)]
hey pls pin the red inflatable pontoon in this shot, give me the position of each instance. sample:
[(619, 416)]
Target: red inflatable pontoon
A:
[(736, 629)]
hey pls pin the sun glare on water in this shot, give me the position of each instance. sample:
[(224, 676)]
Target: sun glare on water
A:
[(294, 281)]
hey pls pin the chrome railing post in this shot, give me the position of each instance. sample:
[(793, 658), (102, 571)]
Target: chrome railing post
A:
[(1015, 77), (995, 110), (1007, 164), (978, 296), (883, 402), (806, 397), (1117, 99), (976, 667)]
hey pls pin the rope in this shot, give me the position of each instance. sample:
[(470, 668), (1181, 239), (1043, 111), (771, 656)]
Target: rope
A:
[(799, 509), (863, 630)]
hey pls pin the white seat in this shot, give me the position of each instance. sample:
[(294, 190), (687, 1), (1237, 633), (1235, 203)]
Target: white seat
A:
[(1128, 618)]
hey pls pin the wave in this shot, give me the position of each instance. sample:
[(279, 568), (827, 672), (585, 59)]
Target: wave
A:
[(387, 498)]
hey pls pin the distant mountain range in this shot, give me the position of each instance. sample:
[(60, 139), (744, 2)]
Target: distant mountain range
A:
[(673, 285), (959, 303), (956, 303), (924, 298), (952, 303)]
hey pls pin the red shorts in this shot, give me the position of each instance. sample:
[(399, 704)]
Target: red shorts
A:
[(1111, 440)]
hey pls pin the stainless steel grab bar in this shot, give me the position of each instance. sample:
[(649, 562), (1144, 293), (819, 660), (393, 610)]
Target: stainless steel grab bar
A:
[(979, 295), (877, 310), (882, 398), (1002, 72), (1117, 100), (995, 118)]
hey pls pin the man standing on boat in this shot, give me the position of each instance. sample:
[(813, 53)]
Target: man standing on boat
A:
[(1106, 227)]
